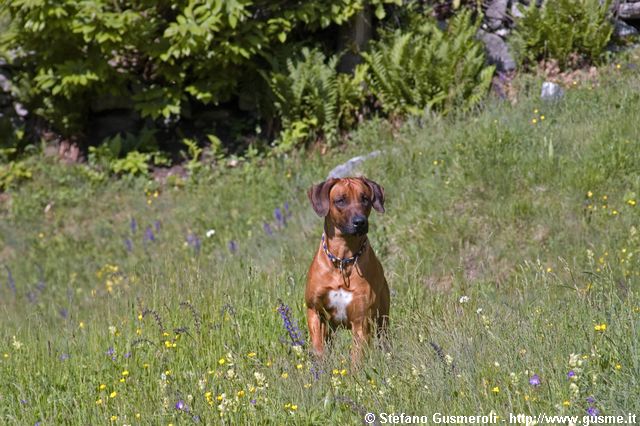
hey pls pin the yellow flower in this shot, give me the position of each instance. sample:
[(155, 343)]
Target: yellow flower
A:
[(299, 366), (145, 365), (138, 331), (251, 354), (343, 372), (140, 317), (566, 403), (113, 394), (618, 367), (137, 415), (122, 380), (631, 202), (221, 361), (219, 397), (167, 372), (81, 325), (589, 194), (125, 373), (99, 401), (285, 375), (335, 372), (600, 327), (114, 418), (618, 66), (535, 111), (294, 407), (534, 121), (541, 117), (526, 397), (240, 393), (495, 390), (102, 386), (307, 385)]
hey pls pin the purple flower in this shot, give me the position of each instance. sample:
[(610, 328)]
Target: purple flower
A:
[(10, 281), (112, 353), (181, 406), (23, 401), (233, 246), (287, 213), (267, 229), (194, 241), (253, 402), (64, 357), (290, 325), (128, 244), (148, 234), (534, 380), (156, 225), (591, 400), (277, 213), (571, 374), (593, 411), (133, 225), (64, 313), (127, 355)]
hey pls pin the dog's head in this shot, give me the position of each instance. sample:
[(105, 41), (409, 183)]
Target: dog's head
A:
[(347, 203)]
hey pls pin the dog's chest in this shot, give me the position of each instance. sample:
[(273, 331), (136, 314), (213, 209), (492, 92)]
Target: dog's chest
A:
[(339, 300)]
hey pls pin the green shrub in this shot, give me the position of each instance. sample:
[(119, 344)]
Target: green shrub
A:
[(428, 68), (569, 31), (313, 100), (161, 57)]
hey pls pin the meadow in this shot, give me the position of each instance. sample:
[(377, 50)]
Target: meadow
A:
[(510, 242)]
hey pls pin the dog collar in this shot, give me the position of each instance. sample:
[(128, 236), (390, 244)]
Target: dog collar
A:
[(341, 262)]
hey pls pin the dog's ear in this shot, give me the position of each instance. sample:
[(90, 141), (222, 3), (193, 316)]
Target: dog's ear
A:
[(319, 196), (378, 195)]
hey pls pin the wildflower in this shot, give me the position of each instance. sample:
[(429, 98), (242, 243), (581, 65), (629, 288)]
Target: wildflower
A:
[(64, 357), (16, 344), (210, 233), (125, 373), (267, 229), (600, 327), (534, 121), (253, 401), (566, 403), (181, 406), (495, 389), (464, 299), (631, 202), (133, 225), (534, 380), (81, 325), (284, 375), (233, 246), (571, 374), (113, 394), (291, 325), (114, 418), (589, 194), (542, 118), (102, 386), (251, 354), (148, 234), (194, 241), (128, 244), (240, 393), (593, 411), (618, 367), (299, 366), (221, 361), (591, 400), (99, 401)]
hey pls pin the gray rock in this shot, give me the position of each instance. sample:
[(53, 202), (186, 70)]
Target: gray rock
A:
[(622, 29), (496, 13), (347, 168), (498, 52), (516, 10), (551, 91)]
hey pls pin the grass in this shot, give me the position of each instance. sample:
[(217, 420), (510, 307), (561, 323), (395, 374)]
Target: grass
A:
[(511, 248)]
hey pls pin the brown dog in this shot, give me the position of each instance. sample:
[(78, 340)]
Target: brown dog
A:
[(346, 284)]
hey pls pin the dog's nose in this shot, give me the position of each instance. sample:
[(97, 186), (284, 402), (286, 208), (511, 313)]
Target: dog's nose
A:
[(359, 221)]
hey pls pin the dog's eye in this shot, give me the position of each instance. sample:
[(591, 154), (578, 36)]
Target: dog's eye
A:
[(365, 199), (339, 201)]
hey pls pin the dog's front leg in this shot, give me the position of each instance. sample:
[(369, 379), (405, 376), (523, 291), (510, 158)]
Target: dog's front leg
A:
[(317, 331), (360, 330)]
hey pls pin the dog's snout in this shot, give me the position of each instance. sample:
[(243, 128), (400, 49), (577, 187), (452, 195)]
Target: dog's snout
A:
[(359, 221)]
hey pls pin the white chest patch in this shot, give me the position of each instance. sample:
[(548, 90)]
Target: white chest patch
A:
[(339, 300)]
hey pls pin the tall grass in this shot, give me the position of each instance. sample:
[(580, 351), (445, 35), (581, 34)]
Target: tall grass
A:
[(511, 248)]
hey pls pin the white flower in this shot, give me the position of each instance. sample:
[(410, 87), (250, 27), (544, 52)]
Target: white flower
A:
[(16, 344), (210, 233), (464, 299), (479, 311), (448, 359), (112, 329)]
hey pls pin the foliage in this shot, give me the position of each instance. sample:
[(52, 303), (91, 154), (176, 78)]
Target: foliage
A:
[(12, 173), (162, 56), (430, 68), (313, 100), (128, 155), (569, 31)]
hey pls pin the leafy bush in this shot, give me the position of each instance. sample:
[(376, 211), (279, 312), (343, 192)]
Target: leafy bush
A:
[(430, 68), (569, 31), (313, 100), (161, 57)]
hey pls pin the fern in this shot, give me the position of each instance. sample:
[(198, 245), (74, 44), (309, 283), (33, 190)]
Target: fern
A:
[(428, 68), (570, 31), (312, 100)]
